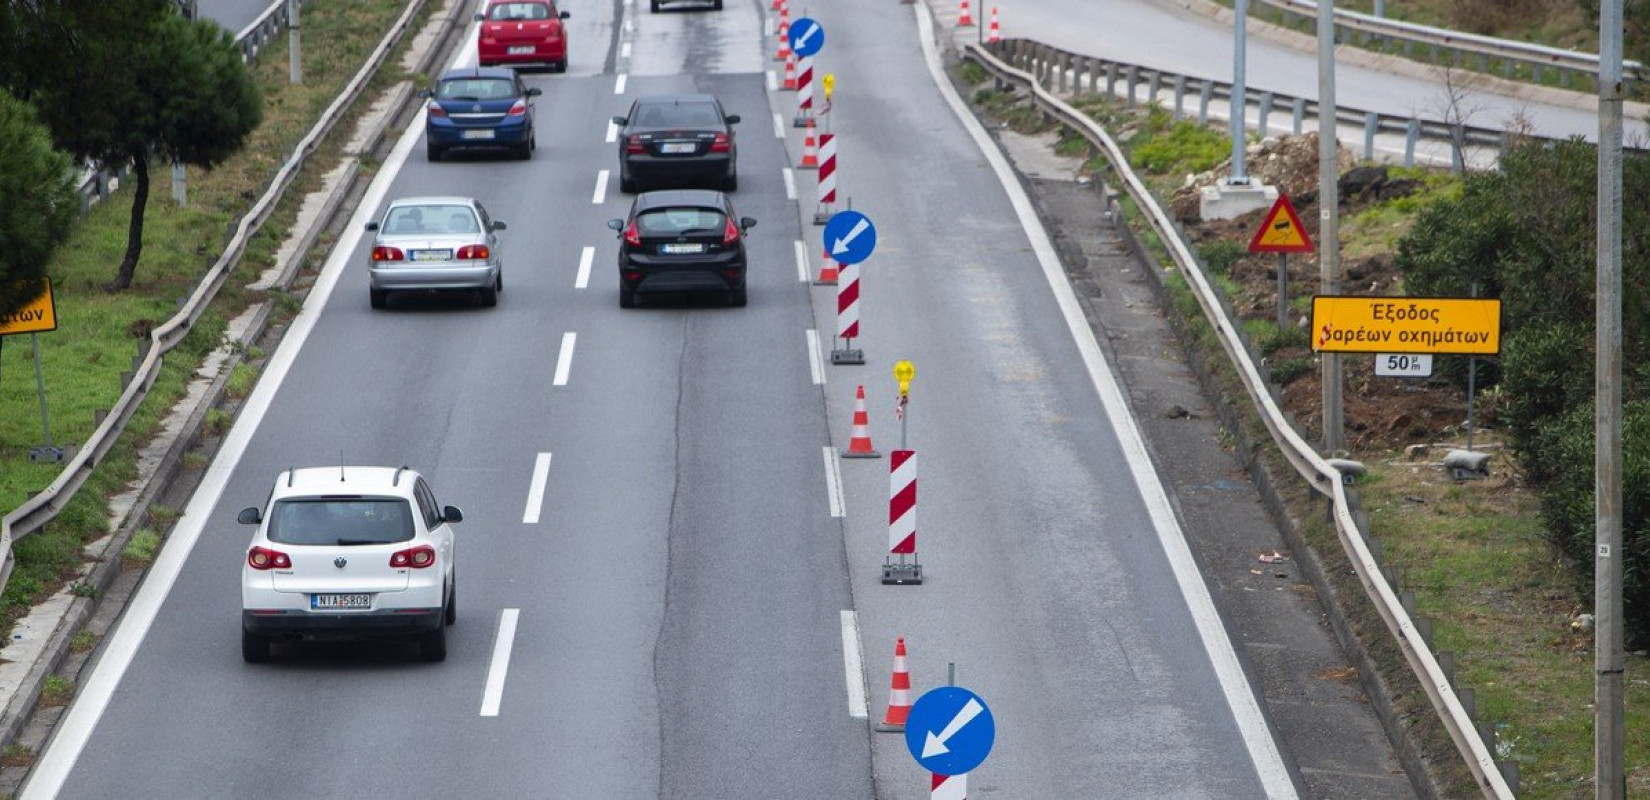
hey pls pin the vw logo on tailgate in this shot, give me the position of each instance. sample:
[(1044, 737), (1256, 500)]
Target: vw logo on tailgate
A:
[(340, 562)]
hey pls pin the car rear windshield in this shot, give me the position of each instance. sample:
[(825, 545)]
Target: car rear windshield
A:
[(679, 221), (431, 220), (518, 11), (333, 521), (677, 115), (476, 89)]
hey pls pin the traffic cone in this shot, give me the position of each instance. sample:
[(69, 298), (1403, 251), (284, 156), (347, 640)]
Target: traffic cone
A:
[(859, 441), (899, 693), (995, 35), (784, 52), (776, 5), (790, 74), (827, 270), (810, 149), (966, 20)]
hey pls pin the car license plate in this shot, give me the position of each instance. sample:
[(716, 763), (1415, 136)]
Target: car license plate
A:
[(676, 148), (682, 248), (521, 50), (432, 255), (485, 133), (332, 602)]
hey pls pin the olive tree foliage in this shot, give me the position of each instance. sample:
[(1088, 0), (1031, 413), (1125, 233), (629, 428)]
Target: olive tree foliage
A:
[(40, 205)]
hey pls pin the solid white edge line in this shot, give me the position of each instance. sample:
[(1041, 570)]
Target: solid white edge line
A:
[(790, 184), (773, 81), (801, 261), (612, 132), (815, 367), (493, 694), (778, 125), (833, 482), (624, 50), (1268, 762), (585, 259), (535, 489), (853, 665), (618, 83), (77, 724), (564, 361), (600, 195)]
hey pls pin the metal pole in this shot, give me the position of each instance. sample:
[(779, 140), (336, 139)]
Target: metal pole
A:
[(1472, 385), (40, 388), (904, 419), (294, 55), (950, 673), (1240, 101), (1609, 731), (1329, 233), (180, 184), (1283, 292), (1380, 8)]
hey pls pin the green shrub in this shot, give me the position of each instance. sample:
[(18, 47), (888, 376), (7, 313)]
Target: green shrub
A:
[(1288, 370), (1185, 147), (1220, 254)]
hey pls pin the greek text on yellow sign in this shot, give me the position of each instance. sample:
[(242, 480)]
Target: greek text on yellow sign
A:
[(38, 316), (1443, 325)]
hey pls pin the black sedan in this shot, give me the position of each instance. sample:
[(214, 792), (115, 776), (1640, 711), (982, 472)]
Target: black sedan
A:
[(678, 139), (683, 240)]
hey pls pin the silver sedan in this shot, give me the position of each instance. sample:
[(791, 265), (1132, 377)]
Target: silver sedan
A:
[(436, 243)]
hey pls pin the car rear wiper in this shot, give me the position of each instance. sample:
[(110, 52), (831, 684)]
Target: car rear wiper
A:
[(357, 542), (697, 232), (465, 98)]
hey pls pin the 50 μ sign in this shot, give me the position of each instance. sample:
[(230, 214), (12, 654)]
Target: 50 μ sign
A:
[(1445, 325), (38, 316)]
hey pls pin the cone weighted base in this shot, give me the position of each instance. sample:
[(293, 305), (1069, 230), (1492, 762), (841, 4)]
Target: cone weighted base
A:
[(861, 454)]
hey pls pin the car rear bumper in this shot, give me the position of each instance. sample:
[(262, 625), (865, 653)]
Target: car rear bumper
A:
[(714, 273), (298, 623), (433, 277), (658, 169), (448, 135), (490, 55)]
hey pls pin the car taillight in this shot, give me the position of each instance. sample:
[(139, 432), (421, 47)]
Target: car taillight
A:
[(633, 235), (415, 557), (730, 232), (721, 144), (473, 252), (437, 111), (262, 558), (381, 253), (519, 108), (633, 146)]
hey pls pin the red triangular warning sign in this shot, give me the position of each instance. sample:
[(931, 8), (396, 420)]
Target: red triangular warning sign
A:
[(1281, 232)]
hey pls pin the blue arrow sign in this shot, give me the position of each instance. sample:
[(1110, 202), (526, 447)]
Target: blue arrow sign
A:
[(950, 731), (807, 36), (850, 237)]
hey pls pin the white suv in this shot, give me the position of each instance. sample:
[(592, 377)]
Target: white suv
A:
[(349, 552)]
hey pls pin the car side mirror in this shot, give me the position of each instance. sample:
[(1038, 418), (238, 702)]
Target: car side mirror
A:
[(746, 223), (250, 516), (534, 92), (621, 121), (616, 224), (452, 514), (498, 225), (480, 16), (371, 226), (733, 119), (564, 15), (426, 93)]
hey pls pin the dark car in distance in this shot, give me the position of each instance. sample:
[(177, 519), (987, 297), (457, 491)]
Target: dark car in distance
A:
[(480, 107), (683, 140), (682, 240)]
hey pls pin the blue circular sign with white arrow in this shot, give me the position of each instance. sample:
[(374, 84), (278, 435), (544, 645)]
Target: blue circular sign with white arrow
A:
[(807, 36), (950, 731), (850, 237)]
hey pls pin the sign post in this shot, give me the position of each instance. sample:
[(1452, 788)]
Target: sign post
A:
[(38, 316), (1281, 232), (904, 371), (849, 239)]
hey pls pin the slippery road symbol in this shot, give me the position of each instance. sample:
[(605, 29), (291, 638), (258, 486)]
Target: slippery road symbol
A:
[(950, 731)]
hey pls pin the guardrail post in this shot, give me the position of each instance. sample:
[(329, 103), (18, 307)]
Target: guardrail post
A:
[(1509, 770), (1446, 664), (1423, 626), (1372, 123), (1111, 80), (1179, 94), (1298, 112), (1204, 95), (1266, 99), (1154, 84), (1130, 73), (1410, 136), (1536, 69)]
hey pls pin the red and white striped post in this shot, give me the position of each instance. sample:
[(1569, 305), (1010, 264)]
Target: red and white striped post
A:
[(847, 316), (827, 179), (804, 93), (902, 520), (949, 787)]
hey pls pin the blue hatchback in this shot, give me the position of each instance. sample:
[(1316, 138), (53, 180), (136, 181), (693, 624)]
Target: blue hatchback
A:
[(480, 107)]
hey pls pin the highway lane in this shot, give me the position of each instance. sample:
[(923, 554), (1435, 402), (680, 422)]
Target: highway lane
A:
[(654, 653), (232, 14)]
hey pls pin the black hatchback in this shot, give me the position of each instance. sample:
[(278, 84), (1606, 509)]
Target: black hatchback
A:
[(682, 139), (683, 240)]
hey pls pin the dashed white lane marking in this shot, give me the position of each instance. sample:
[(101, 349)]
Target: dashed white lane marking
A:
[(624, 51), (814, 360), (535, 490), (778, 125), (790, 184), (493, 695), (833, 484), (801, 261), (585, 259), (612, 132), (618, 85), (564, 362), (600, 195), (853, 665), (773, 81)]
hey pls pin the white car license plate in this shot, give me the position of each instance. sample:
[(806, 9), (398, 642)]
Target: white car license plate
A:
[(432, 255), (677, 148), (331, 602), (484, 133), (521, 50), (682, 248)]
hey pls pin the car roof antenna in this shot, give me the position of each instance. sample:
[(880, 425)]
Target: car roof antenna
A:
[(341, 478), (290, 472)]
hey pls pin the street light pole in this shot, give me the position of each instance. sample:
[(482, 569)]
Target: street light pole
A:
[(1609, 729), (295, 64), (1329, 233), (1240, 99)]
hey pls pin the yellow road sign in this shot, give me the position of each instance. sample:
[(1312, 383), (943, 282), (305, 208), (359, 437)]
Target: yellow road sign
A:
[(1443, 325), (904, 371), (1281, 231), (38, 316), (829, 82)]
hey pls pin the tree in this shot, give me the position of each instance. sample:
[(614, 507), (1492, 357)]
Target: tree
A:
[(37, 183)]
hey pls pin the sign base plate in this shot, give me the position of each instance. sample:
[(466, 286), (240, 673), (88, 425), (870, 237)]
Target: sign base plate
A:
[(45, 454), (902, 574), (847, 356)]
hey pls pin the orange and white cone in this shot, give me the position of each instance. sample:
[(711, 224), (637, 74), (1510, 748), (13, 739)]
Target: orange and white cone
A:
[(784, 52), (790, 74), (827, 270), (810, 149), (966, 20), (859, 442), (899, 693), (994, 35)]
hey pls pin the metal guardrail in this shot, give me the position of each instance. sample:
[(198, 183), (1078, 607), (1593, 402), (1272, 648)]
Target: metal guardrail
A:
[(1512, 55), (1300, 454), (45, 506)]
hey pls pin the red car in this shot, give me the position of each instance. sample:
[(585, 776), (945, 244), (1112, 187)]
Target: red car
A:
[(523, 32)]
